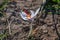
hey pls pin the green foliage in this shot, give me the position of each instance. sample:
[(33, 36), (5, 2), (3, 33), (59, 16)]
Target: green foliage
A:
[(52, 7), (2, 36), (57, 1), (3, 5)]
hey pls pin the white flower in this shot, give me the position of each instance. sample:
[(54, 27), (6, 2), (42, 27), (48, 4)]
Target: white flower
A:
[(33, 14)]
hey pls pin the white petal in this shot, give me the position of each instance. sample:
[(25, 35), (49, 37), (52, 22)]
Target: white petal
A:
[(23, 15), (37, 11), (32, 13)]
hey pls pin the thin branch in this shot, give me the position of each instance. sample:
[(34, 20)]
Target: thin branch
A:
[(9, 25)]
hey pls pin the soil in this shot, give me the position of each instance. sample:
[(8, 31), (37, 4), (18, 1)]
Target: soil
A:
[(43, 29)]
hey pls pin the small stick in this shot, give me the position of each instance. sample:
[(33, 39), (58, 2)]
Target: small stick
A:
[(9, 25), (30, 32)]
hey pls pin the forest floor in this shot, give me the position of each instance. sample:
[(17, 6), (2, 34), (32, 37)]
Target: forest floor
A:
[(43, 29)]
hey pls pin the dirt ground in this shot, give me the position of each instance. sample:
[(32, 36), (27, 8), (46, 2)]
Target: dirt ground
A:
[(43, 29)]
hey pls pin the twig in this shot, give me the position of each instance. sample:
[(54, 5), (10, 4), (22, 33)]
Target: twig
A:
[(30, 30), (9, 25)]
